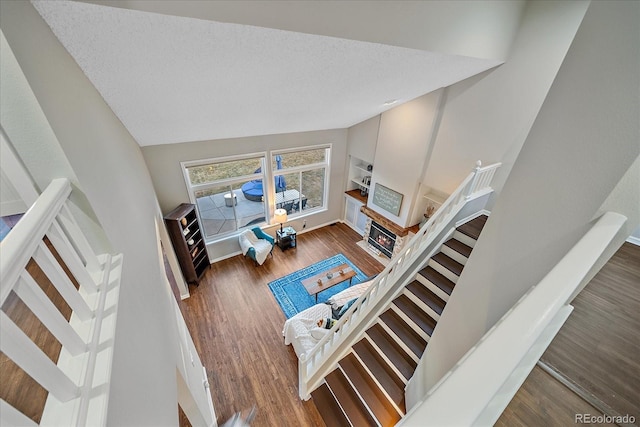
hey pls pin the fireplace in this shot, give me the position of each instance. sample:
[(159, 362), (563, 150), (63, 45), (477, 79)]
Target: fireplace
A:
[(381, 239)]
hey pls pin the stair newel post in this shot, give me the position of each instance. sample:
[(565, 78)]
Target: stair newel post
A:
[(302, 377), (474, 181)]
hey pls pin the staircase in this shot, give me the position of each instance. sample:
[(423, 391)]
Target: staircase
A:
[(367, 387)]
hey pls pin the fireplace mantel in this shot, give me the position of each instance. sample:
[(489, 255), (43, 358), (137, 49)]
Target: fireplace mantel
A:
[(390, 225)]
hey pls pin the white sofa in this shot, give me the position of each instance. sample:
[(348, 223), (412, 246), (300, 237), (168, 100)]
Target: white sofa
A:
[(302, 331)]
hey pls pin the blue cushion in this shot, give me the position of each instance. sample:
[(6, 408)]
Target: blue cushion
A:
[(262, 235), (345, 307)]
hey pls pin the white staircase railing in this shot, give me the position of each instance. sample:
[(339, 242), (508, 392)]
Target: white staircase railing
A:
[(78, 384), (501, 361), (318, 362)]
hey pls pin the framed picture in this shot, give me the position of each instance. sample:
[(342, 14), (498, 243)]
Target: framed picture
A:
[(387, 199)]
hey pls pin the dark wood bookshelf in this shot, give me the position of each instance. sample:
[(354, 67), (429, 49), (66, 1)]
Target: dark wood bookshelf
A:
[(188, 241)]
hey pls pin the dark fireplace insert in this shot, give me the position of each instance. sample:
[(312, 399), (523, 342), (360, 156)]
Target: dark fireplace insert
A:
[(382, 239)]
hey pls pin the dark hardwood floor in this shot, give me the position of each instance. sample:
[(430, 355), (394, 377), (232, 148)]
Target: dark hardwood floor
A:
[(236, 325), (597, 349)]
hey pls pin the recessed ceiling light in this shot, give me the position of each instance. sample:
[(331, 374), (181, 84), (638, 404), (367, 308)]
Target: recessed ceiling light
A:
[(390, 102)]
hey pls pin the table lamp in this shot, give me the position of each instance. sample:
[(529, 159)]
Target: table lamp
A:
[(280, 215)]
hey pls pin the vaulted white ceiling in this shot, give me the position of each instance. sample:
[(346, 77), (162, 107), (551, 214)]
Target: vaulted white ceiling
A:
[(173, 79)]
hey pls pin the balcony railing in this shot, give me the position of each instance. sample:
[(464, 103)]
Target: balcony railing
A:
[(78, 381), (501, 361)]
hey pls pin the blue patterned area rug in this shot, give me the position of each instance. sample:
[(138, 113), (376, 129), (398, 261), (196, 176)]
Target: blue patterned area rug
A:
[(293, 297)]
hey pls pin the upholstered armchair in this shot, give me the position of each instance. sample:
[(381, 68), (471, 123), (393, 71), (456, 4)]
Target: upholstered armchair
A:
[(256, 244)]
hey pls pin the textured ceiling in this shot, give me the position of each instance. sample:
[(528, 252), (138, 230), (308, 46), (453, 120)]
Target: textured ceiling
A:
[(173, 79)]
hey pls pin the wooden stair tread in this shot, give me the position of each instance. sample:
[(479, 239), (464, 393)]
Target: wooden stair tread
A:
[(405, 332), (474, 227), (396, 355), (413, 312), (351, 404), (369, 391), (386, 377), (459, 247), (438, 279), (328, 408), (449, 263), (426, 296)]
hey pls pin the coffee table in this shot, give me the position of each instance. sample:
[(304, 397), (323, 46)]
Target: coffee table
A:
[(327, 279)]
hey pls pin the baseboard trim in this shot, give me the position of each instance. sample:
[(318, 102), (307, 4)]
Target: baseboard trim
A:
[(580, 391), (273, 227), (222, 258), (634, 240), (473, 216)]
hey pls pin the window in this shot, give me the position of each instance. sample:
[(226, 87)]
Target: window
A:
[(304, 174), (228, 193), (230, 196)]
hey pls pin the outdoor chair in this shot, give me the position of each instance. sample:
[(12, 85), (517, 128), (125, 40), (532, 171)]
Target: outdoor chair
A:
[(289, 206)]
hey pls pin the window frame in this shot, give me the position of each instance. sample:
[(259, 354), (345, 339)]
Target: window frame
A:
[(263, 156), (267, 175), (326, 165)]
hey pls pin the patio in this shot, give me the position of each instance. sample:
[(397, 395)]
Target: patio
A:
[(218, 218)]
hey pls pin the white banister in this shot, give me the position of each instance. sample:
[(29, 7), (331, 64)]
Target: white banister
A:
[(19, 347), (61, 281), (71, 258), (500, 362), (78, 239), (78, 381), (35, 298), (20, 244), (319, 361), (10, 416)]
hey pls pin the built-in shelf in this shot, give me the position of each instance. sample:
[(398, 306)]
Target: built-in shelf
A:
[(359, 182), (434, 201), (357, 195), (436, 198), (359, 175), (363, 168)]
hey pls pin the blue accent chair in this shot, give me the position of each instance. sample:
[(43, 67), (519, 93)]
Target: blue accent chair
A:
[(256, 244)]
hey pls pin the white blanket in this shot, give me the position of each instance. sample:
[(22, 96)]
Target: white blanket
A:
[(346, 295), (297, 330), (249, 240)]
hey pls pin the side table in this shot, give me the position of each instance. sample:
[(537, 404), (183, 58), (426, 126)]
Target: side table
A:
[(286, 238)]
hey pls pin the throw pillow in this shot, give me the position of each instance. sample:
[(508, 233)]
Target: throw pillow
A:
[(326, 323), (345, 307)]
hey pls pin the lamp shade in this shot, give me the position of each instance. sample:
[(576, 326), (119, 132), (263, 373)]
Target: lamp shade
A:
[(280, 216)]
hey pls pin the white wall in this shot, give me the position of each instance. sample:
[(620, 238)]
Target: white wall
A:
[(10, 202), (481, 29), (404, 139), (33, 140), (580, 147), (109, 165), (362, 139), (487, 117), (163, 162)]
